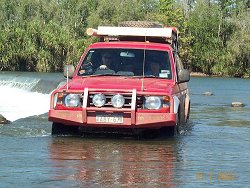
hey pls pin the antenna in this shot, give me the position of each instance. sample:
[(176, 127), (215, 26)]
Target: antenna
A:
[(67, 69), (143, 63)]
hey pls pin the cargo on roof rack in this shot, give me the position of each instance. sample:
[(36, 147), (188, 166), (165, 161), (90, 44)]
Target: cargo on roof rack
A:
[(165, 35)]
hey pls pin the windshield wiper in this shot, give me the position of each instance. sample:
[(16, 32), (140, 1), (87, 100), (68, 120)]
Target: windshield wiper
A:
[(150, 76), (108, 74), (97, 75)]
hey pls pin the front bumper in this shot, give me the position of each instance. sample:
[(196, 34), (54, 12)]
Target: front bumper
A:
[(132, 118), (140, 120)]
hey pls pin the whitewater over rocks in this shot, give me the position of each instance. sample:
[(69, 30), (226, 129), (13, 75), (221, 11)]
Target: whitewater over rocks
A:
[(25, 94)]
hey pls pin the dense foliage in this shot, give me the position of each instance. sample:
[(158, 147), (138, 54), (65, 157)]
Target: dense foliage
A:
[(43, 35)]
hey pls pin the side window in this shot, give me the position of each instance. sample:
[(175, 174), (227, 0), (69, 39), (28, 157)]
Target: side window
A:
[(157, 64), (86, 67), (178, 63)]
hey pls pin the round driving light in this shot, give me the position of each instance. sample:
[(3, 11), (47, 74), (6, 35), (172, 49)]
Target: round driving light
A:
[(152, 103), (117, 101), (99, 100), (72, 100)]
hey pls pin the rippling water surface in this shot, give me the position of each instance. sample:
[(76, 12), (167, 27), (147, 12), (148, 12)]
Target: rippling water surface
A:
[(212, 151)]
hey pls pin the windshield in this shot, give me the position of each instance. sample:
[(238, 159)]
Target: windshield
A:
[(126, 62)]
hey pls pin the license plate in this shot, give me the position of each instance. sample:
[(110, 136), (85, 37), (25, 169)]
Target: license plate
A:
[(109, 118)]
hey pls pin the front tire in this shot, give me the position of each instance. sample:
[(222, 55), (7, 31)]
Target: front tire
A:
[(174, 131), (171, 131), (59, 129)]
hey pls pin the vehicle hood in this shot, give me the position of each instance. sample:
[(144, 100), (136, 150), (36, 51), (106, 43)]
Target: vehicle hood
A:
[(120, 83)]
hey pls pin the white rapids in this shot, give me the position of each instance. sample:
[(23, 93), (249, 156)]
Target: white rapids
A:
[(25, 94), (17, 103)]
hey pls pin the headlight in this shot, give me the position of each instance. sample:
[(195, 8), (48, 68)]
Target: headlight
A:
[(72, 100), (152, 103), (99, 100), (117, 101)]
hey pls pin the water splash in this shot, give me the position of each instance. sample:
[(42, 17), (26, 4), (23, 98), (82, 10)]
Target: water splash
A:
[(17, 103), (26, 94)]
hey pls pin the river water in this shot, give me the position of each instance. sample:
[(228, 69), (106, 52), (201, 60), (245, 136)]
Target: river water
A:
[(212, 151)]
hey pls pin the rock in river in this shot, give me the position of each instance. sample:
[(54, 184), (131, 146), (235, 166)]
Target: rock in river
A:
[(3, 120), (208, 93), (237, 104)]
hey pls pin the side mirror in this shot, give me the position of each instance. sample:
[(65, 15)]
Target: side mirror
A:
[(68, 71), (183, 76)]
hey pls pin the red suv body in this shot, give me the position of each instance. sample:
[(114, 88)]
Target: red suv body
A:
[(143, 87)]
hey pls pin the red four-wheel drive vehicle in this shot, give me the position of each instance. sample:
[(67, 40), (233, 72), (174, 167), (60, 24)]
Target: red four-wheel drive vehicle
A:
[(130, 82)]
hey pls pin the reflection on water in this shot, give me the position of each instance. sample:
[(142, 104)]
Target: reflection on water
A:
[(114, 163)]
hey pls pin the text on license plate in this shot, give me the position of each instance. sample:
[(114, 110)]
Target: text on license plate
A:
[(109, 118)]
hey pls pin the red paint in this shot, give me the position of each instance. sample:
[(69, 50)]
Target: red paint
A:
[(84, 115)]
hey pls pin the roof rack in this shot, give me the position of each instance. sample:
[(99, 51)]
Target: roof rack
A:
[(165, 35)]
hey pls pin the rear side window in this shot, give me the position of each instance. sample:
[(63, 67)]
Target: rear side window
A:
[(178, 63)]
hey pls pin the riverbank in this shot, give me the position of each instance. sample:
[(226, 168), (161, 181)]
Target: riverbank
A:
[(198, 74)]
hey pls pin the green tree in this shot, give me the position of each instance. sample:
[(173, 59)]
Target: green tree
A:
[(43, 35), (204, 23), (238, 56)]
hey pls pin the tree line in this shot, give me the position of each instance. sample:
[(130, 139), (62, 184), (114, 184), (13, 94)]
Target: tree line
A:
[(44, 35)]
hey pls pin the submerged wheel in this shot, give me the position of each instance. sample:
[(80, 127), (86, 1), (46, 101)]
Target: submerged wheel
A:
[(171, 131), (61, 129), (144, 24), (174, 131)]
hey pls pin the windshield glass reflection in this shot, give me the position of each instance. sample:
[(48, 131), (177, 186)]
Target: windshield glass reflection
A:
[(126, 62)]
